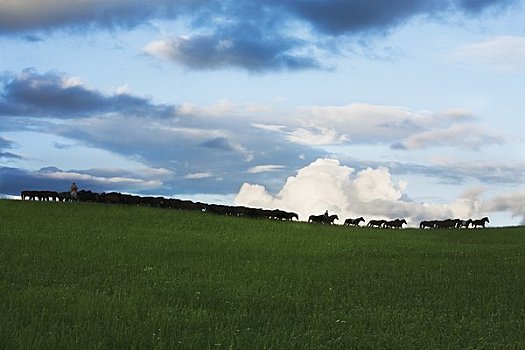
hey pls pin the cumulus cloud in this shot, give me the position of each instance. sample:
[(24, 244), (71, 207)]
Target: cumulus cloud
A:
[(372, 193)]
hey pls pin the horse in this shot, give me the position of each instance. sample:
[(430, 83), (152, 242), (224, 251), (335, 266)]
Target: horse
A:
[(323, 219), (29, 194), (40, 195), (283, 215), (448, 223), (429, 224), (397, 223), (480, 222), (50, 195), (290, 215), (465, 223), (353, 222), (376, 223)]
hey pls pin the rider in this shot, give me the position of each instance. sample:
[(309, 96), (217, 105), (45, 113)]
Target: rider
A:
[(74, 190)]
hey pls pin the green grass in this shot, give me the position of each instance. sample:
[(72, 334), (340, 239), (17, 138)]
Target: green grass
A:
[(89, 276)]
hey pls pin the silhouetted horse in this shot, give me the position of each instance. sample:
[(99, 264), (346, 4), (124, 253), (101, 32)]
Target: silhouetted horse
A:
[(283, 215), (480, 222), (323, 219), (429, 224), (29, 194), (40, 195), (353, 222), (448, 223), (376, 223), (397, 223), (465, 223)]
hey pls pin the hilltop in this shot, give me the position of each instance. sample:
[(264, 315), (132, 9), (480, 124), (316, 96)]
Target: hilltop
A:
[(80, 275)]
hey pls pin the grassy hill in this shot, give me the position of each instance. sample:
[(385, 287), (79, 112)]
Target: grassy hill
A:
[(93, 276)]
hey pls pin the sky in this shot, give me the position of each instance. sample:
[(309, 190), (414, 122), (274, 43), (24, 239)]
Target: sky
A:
[(383, 109)]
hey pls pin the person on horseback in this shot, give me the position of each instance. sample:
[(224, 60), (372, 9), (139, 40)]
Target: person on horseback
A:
[(74, 189)]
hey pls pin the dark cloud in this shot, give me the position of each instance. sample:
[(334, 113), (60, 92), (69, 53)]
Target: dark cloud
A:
[(238, 33), (14, 180), (37, 15), (331, 16), (62, 146), (338, 17), (242, 45), (398, 146), (9, 155), (476, 6), (7, 144), (342, 17), (221, 143), (51, 95), (33, 38)]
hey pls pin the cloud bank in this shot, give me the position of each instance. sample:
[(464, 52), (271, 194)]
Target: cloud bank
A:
[(255, 36), (231, 143), (372, 193), (53, 95), (402, 128)]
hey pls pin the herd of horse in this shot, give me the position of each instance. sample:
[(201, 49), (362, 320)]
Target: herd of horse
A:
[(276, 214), (454, 223)]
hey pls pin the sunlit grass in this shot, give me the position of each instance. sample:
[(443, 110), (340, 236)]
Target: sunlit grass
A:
[(94, 276)]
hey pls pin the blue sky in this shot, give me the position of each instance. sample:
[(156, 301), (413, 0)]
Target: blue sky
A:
[(365, 108)]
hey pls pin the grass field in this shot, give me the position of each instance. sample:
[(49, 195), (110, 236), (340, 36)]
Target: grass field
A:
[(91, 276)]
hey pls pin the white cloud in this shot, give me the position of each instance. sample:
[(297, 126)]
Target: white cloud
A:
[(315, 136), (265, 168), (124, 89), (194, 176), (395, 125), (505, 53), (366, 122), (270, 127), (161, 49), (376, 184), (133, 183), (372, 193), (222, 108), (70, 82), (472, 136)]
